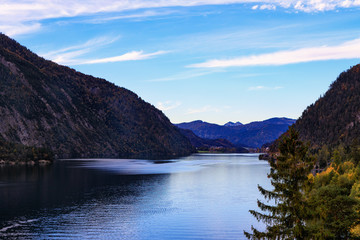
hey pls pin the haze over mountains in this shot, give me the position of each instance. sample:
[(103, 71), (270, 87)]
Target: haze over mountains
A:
[(43, 104), (253, 134)]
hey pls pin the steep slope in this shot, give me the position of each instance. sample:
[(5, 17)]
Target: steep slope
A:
[(335, 117), (253, 134), (44, 104)]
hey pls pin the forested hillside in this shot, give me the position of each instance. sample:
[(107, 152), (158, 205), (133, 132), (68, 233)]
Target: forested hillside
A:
[(335, 117), (43, 104), (329, 132)]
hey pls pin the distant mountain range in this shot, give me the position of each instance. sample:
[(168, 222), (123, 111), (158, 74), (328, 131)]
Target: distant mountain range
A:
[(253, 134), (335, 117), (212, 145), (43, 104), (232, 124)]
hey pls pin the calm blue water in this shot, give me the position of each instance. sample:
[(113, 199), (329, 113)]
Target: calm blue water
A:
[(204, 196)]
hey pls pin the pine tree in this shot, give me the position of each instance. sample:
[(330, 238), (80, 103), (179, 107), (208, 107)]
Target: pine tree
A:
[(286, 219)]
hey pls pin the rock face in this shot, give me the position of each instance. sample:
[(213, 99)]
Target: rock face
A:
[(335, 117), (43, 104)]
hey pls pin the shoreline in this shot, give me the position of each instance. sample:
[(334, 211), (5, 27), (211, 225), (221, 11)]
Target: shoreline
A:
[(42, 162)]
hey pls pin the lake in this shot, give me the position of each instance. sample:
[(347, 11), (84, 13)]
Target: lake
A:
[(203, 196)]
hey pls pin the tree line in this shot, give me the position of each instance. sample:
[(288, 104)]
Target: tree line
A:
[(304, 204), (12, 152)]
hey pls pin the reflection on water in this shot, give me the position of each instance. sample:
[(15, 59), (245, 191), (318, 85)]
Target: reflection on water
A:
[(204, 196)]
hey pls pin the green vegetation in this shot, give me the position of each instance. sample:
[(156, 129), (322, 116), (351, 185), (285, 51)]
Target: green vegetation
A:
[(286, 219), (17, 153), (325, 205), (334, 196), (330, 194)]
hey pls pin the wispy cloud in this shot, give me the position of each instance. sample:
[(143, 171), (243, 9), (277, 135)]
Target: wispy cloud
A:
[(68, 55), (204, 109), (86, 46), (136, 16), (130, 56), (167, 105), (346, 50), (260, 88), (19, 28), (73, 55), (20, 13)]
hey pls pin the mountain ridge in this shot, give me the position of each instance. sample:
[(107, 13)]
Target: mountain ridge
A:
[(335, 117), (253, 134), (233, 124), (44, 104)]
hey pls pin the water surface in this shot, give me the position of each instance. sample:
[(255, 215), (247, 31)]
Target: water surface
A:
[(204, 196)]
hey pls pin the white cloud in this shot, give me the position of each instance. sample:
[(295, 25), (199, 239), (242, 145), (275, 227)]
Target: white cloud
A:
[(324, 5), (83, 47), (130, 56), (204, 109), (68, 55), (19, 28), (14, 14), (69, 58), (258, 88), (72, 55), (346, 50), (255, 7), (137, 16), (268, 7), (167, 105)]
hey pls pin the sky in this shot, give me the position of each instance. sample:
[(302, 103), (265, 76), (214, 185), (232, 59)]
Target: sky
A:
[(210, 60)]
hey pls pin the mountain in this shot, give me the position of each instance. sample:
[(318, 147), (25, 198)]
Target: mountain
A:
[(254, 134), (206, 130), (335, 117), (232, 124), (269, 122), (218, 145), (47, 105)]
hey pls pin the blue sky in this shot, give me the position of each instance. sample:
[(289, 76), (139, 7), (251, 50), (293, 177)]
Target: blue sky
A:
[(214, 60)]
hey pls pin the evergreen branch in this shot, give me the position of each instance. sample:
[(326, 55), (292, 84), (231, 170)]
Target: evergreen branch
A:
[(264, 207), (268, 194), (268, 219)]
